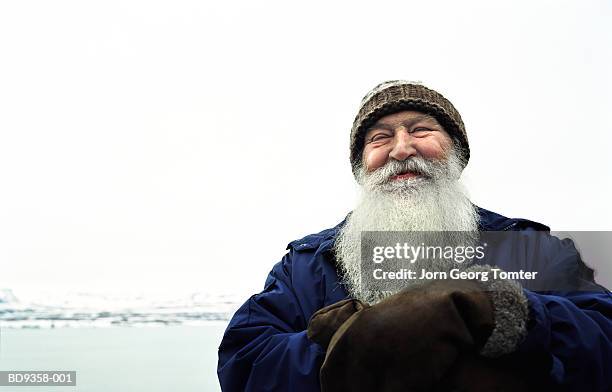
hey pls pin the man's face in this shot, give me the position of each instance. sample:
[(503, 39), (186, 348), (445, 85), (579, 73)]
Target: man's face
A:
[(409, 179), (403, 135)]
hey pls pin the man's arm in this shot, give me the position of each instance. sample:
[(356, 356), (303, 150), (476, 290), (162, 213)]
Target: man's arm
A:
[(575, 331), (265, 346), (570, 323)]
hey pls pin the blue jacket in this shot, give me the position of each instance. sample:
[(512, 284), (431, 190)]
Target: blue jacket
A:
[(265, 347)]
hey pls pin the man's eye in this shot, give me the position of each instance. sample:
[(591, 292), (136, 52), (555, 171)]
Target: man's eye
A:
[(421, 129), (378, 137)]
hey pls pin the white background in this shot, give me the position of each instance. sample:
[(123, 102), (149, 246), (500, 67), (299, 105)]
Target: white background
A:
[(181, 145)]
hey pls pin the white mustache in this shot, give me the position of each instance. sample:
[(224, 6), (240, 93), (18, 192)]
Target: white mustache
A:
[(423, 167)]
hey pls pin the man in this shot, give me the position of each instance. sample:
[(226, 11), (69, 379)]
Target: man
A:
[(321, 322)]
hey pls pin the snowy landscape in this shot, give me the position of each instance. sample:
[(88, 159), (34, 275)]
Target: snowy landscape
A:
[(81, 309)]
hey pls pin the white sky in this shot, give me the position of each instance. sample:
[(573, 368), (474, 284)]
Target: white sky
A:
[(183, 144)]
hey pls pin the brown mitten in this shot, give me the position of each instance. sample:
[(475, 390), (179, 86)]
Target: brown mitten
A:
[(431, 337), (408, 341), (475, 373), (326, 321)]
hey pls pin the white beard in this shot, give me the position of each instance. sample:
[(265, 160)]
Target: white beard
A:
[(435, 201)]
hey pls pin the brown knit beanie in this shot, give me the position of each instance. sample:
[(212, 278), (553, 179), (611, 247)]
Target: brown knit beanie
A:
[(398, 95)]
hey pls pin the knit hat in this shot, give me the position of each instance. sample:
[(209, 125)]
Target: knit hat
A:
[(398, 95)]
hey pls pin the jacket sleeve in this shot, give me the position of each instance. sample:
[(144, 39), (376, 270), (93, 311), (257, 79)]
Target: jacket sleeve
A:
[(570, 322), (265, 347), (574, 330)]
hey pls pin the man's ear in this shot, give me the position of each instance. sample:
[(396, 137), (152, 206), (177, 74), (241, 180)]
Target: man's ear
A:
[(326, 321)]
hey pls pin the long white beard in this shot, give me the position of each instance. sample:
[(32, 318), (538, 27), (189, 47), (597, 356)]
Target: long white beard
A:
[(435, 202)]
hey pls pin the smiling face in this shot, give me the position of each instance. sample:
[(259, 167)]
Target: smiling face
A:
[(409, 177), (402, 135)]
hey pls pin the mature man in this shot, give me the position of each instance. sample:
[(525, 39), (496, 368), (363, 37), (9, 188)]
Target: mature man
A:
[(321, 322)]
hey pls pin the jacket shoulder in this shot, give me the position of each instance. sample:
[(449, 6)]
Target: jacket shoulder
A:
[(315, 240), (493, 221)]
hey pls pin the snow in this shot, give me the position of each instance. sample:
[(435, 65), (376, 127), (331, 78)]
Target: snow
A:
[(85, 309)]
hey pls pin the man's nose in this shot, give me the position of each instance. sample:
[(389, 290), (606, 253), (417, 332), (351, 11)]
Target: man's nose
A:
[(404, 145)]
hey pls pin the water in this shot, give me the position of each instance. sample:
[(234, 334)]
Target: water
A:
[(172, 358)]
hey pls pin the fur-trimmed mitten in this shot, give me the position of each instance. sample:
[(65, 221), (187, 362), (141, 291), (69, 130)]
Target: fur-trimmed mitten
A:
[(431, 337)]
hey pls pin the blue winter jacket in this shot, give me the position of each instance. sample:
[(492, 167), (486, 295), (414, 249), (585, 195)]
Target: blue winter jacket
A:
[(265, 347)]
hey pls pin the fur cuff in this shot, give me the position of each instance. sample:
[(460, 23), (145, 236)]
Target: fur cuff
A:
[(511, 314)]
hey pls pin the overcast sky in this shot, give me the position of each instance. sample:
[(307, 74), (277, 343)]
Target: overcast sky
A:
[(181, 145)]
